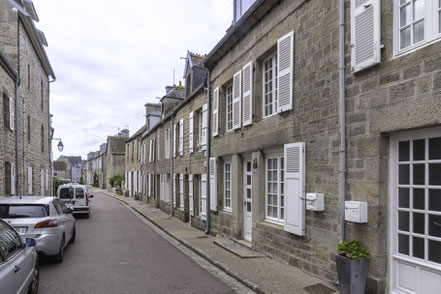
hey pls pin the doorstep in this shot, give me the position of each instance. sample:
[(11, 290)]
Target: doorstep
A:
[(237, 248)]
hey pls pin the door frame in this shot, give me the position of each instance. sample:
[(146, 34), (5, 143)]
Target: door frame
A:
[(244, 191)]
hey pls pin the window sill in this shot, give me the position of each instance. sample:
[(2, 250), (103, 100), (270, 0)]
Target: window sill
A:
[(415, 47), (228, 210), (276, 222)]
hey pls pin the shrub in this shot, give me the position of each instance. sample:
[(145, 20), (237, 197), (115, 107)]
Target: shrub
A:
[(352, 250)]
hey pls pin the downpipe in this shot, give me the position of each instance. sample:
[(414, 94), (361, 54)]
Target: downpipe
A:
[(207, 170), (172, 208), (342, 122)]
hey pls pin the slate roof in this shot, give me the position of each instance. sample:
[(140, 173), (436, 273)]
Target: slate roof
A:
[(177, 92), (138, 133), (72, 160)]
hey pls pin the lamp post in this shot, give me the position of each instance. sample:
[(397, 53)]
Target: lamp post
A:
[(60, 147)]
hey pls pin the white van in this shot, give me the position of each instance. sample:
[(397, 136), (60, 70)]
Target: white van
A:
[(76, 197)]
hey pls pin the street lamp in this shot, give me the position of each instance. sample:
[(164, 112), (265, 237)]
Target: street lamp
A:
[(59, 145)]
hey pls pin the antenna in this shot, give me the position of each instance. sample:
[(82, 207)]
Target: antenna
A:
[(173, 77)]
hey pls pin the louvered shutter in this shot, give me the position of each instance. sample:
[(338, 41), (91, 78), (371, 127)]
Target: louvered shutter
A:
[(12, 178), (190, 194), (237, 91), (285, 71), (204, 127), (215, 121), (365, 34), (158, 147), (190, 132), (203, 194), (150, 185), (213, 184), (247, 94), (144, 153), (11, 114), (174, 140), (294, 205), (154, 150), (135, 182), (181, 137), (42, 182), (29, 180), (47, 179), (181, 192), (174, 190), (150, 151)]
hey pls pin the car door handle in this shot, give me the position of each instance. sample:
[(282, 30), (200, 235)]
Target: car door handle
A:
[(16, 268)]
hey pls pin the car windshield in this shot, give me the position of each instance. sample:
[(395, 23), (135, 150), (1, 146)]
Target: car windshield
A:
[(66, 193), (20, 211)]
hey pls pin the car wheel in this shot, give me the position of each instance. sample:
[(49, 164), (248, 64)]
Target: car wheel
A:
[(87, 215), (33, 288), (74, 234), (59, 257)]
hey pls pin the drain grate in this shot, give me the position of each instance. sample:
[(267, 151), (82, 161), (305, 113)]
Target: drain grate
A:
[(319, 289)]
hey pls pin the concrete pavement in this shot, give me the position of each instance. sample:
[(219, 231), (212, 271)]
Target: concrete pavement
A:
[(262, 275)]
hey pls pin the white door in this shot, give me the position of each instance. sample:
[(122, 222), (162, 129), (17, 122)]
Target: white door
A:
[(415, 216), (247, 203)]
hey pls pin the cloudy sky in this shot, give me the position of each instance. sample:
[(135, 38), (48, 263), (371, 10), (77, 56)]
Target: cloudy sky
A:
[(111, 57)]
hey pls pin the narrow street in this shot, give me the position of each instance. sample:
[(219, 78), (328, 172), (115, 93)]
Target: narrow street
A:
[(116, 252)]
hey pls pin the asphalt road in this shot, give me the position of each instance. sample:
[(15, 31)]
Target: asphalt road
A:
[(115, 252)]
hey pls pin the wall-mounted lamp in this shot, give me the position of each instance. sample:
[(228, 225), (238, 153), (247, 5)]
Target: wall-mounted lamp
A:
[(59, 145), (255, 163)]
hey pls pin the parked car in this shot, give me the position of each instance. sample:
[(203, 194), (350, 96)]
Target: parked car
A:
[(76, 197), (46, 219), (19, 272)]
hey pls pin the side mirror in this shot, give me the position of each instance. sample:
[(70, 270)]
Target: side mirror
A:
[(31, 242), (70, 210)]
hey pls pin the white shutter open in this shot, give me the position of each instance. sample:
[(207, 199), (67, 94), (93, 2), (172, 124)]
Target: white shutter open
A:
[(365, 34), (181, 192), (42, 182), (294, 155), (190, 132), (247, 94), (150, 185), (12, 178), (285, 71), (11, 114), (213, 184), (174, 140), (135, 182), (190, 194), (158, 147), (204, 127), (215, 122), (144, 153), (203, 194), (29, 180), (47, 179), (150, 151), (237, 91), (174, 190), (181, 137)]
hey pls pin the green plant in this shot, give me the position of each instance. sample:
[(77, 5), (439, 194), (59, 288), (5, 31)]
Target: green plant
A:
[(95, 180), (57, 182), (81, 180), (352, 250), (116, 180)]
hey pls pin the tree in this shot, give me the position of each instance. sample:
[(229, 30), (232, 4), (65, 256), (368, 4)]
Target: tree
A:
[(95, 180), (81, 180)]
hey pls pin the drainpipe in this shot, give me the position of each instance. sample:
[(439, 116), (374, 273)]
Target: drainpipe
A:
[(342, 121), (172, 212), (17, 84), (208, 141)]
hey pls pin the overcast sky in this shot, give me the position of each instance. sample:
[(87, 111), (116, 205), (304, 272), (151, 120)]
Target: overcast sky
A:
[(111, 57)]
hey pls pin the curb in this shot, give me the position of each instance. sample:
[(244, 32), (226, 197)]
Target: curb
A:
[(214, 262)]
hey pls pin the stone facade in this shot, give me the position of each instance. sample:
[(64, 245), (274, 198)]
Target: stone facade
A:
[(23, 55), (115, 157)]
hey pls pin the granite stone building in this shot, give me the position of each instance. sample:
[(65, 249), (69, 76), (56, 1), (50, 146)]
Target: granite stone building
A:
[(114, 157), (25, 76)]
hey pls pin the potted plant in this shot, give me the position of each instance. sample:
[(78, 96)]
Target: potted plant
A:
[(352, 267), (137, 196), (126, 193)]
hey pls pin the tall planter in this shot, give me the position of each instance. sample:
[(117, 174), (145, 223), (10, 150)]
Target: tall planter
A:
[(351, 274)]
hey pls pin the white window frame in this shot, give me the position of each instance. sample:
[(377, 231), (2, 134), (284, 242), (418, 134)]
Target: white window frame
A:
[(229, 104), (273, 59), (181, 192), (280, 219), (431, 26), (202, 197), (167, 144), (228, 189)]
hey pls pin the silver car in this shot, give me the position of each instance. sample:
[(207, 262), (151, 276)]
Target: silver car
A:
[(19, 271), (46, 219)]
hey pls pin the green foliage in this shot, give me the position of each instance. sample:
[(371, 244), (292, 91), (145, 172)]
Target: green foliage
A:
[(116, 180), (81, 180), (352, 250), (57, 182), (95, 180)]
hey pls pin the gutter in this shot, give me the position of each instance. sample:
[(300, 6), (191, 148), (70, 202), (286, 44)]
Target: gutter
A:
[(342, 122), (207, 158)]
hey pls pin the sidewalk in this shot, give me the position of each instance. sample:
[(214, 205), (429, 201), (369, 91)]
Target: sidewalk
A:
[(261, 273)]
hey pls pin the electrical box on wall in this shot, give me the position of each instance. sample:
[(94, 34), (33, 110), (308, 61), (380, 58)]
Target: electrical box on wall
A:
[(315, 201), (356, 211)]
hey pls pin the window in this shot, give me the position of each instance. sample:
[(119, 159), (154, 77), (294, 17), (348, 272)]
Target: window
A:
[(167, 144), (6, 111), (22, 211), (79, 193), (9, 241), (240, 7), (270, 86), (29, 129), (227, 186), (181, 137), (202, 196), (7, 178), (29, 77), (42, 95), (202, 125), (275, 189), (181, 192), (42, 139), (418, 22), (229, 106)]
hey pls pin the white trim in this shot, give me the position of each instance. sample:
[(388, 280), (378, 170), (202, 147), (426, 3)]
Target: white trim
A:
[(228, 208), (273, 58)]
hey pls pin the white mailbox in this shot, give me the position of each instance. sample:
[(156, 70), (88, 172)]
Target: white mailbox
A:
[(315, 201), (356, 211)]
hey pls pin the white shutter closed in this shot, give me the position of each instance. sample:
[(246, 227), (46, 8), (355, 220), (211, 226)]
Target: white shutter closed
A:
[(135, 182), (285, 71), (42, 182), (174, 190), (181, 137), (47, 179), (247, 94), (204, 127), (150, 151), (12, 178), (29, 180), (150, 185), (154, 150), (213, 184), (158, 149), (215, 121), (237, 91), (190, 194), (144, 153), (190, 132), (365, 34), (203, 194), (294, 155), (181, 192), (174, 140), (11, 114)]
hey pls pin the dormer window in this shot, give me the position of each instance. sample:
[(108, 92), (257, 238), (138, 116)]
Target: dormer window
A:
[(240, 7)]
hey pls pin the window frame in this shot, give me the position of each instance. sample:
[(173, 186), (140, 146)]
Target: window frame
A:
[(273, 59), (230, 188), (229, 103), (280, 219)]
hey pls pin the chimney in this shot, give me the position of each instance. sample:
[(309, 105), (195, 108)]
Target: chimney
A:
[(125, 133), (168, 89)]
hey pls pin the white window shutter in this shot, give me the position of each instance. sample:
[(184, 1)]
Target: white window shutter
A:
[(294, 155), (11, 114), (365, 34), (181, 137), (181, 192), (12, 178), (29, 180), (174, 190), (237, 91), (47, 179), (190, 194), (42, 182), (285, 71), (158, 149), (190, 132), (135, 182), (174, 140), (144, 153), (204, 127), (247, 94), (150, 151), (150, 185), (203, 194), (154, 150), (213, 184), (215, 121)]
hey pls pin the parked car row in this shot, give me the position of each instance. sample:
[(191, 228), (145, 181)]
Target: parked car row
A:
[(33, 226)]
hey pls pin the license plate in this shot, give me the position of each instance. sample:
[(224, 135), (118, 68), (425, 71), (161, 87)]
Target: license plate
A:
[(20, 230)]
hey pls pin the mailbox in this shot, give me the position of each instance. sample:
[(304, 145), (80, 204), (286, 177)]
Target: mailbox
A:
[(315, 201), (356, 211)]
